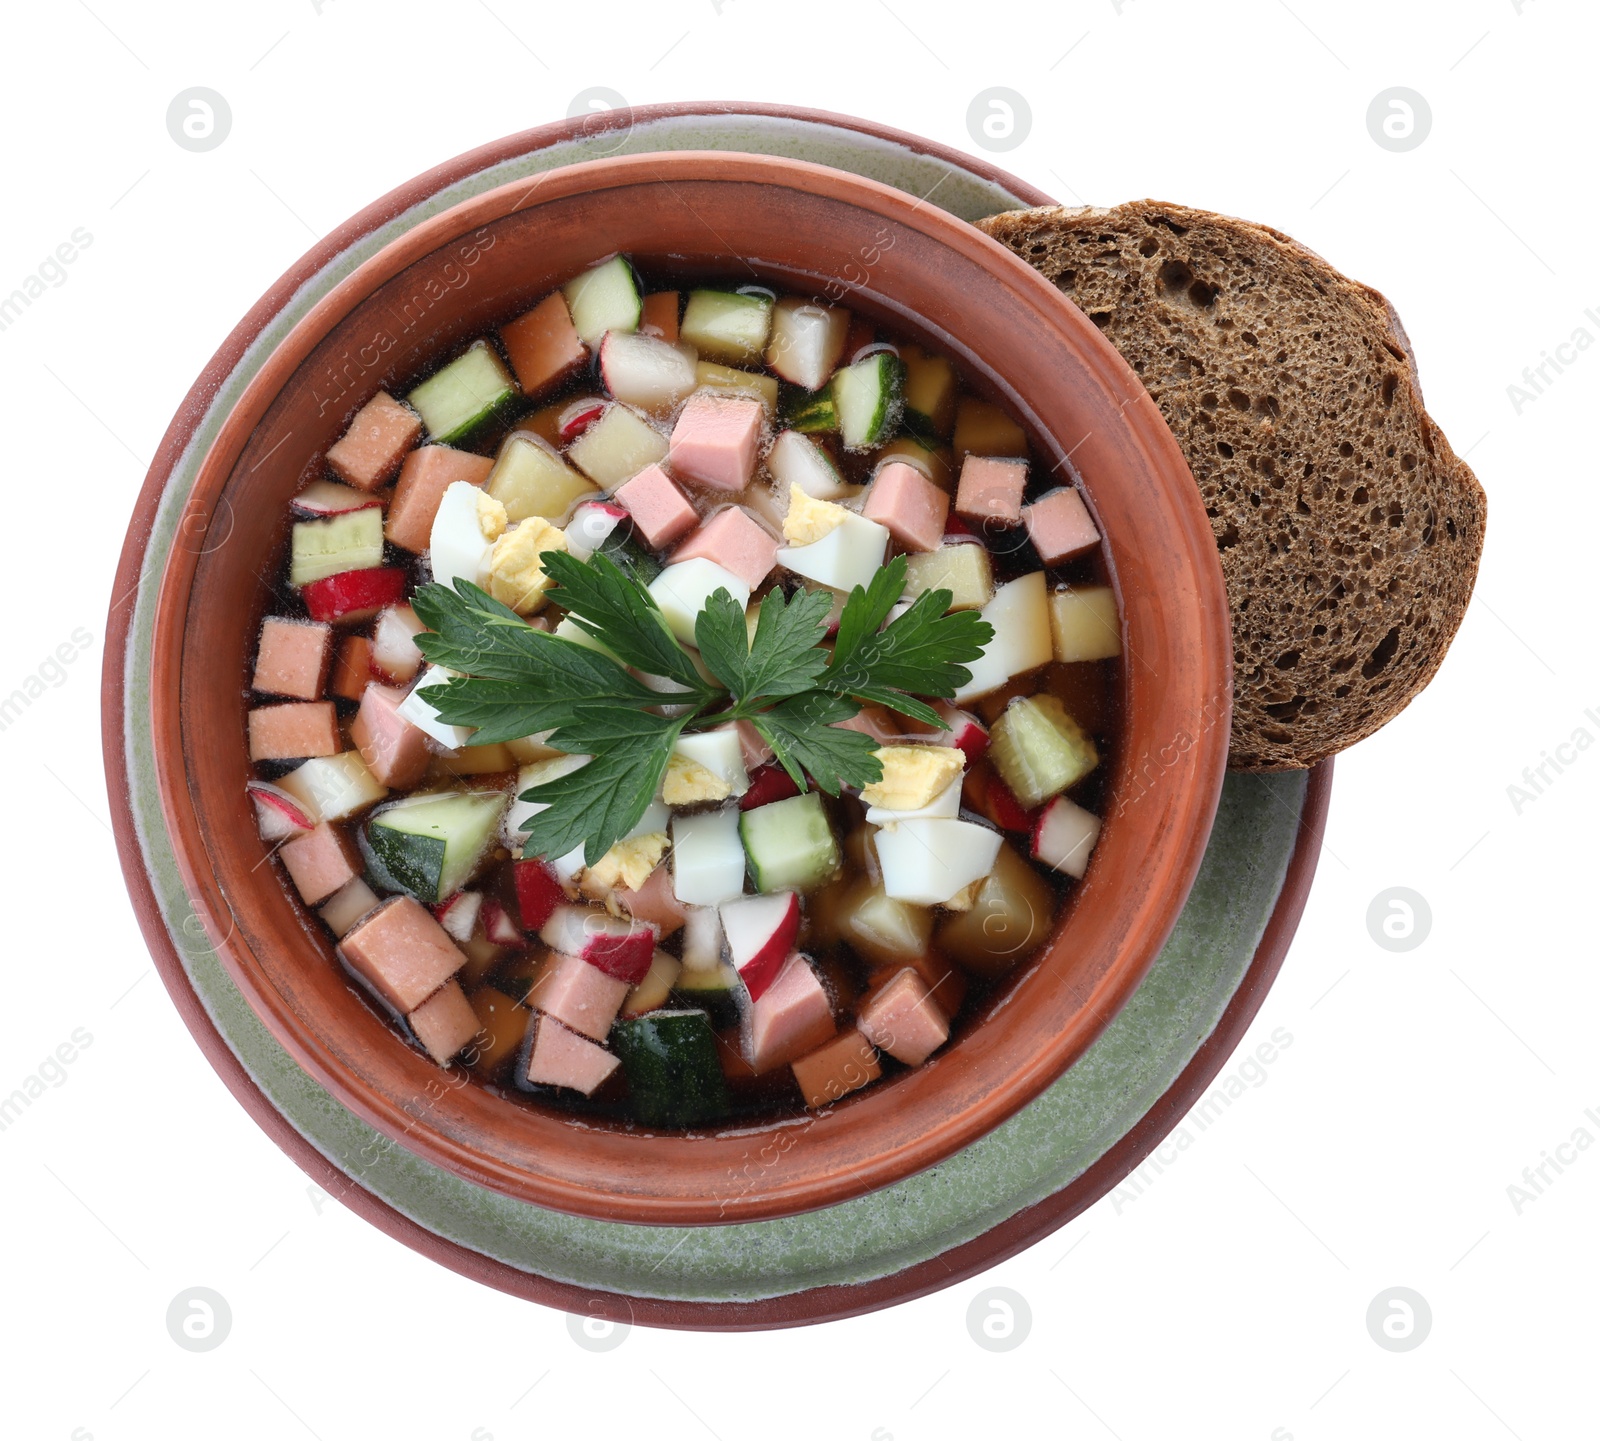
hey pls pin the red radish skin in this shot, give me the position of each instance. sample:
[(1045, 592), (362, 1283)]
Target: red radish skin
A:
[(574, 422), (459, 914), (538, 893), (354, 595), (498, 927), (622, 949), (761, 932), (277, 814), (770, 783), (327, 497)]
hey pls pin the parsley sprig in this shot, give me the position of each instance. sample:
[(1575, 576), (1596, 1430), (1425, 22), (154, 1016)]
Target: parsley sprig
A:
[(513, 680)]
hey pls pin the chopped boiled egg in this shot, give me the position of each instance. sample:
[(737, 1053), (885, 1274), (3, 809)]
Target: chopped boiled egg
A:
[(809, 519), (913, 775), (688, 781), (628, 863), (517, 576)]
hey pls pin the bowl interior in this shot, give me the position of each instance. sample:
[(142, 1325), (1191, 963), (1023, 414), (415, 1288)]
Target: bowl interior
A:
[(810, 230)]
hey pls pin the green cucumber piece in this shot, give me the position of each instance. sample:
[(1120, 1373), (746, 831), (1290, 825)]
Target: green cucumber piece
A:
[(789, 844), (603, 298), (430, 845), (811, 414), (869, 396), (472, 390), (320, 548), (1039, 749), (715, 992), (727, 326), (629, 556), (674, 1074)]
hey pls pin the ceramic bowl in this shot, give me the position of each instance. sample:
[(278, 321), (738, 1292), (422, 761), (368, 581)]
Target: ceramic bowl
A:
[(800, 227)]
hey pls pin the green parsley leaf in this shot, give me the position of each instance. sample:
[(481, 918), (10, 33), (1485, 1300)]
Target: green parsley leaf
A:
[(621, 614), (804, 736), (601, 801), (783, 657)]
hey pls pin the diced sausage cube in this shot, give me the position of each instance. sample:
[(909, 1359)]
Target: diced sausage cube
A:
[(736, 541), (946, 983), (577, 994), (903, 1019), (378, 438), (913, 508), (655, 902), (319, 861), (714, 442), (294, 731), (1059, 525), (353, 668), (424, 478), (445, 1022), (402, 952), (846, 1063), (661, 512), (395, 751), (292, 657), (753, 746), (792, 1017), (560, 1057), (658, 316), (991, 489), (543, 345)]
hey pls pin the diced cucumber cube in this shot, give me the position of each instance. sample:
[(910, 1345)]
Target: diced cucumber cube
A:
[(726, 325), (469, 392), (811, 414), (869, 397), (603, 298), (429, 846), (674, 1074), (716, 992), (1039, 749), (320, 548), (789, 844)]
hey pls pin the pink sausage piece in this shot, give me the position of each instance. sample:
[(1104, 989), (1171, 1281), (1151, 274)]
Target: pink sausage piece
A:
[(991, 489), (319, 861), (659, 509), (577, 994), (910, 505), (378, 438), (736, 541), (792, 1017), (655, 902), (715, 441), (1059, 526), (395, 751), (445, 1022), (292, 657), (402, 952), (903, 1019), (294, 731), (424, 478), (559, 1057)]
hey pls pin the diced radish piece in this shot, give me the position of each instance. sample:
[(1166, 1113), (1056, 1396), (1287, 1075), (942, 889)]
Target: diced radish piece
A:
[(354, 595), (327, 497), (926, 862), (943, 806), (644, 371), (990, 796), (807, 341), (278, 814), (761, 931), (966, 732), (578, 417), (707, 857), (1065, 837), (425, 718), (770, 783), (847, 556), (394, 646), (498, 927), (538, 892), (797, 459), (591, 526), (459, 914), (1020, 615), (621, 948), (702, 939)]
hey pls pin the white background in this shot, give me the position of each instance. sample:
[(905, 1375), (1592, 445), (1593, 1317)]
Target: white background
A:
[(1227, 1300)]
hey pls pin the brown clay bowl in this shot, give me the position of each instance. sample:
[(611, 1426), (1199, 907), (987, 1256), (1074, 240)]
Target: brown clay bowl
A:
[(807, 228)]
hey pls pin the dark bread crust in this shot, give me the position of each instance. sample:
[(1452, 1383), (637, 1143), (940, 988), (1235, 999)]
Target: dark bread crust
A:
[(1349, 531)]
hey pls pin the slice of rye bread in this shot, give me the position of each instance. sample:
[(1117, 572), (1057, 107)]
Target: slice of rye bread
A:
[(1349, 530)]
